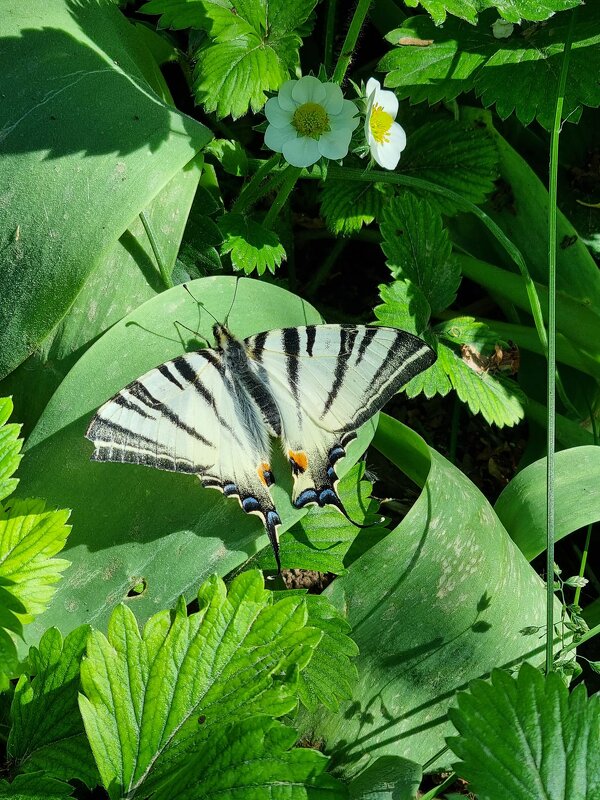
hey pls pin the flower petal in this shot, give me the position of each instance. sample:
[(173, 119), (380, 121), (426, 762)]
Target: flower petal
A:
[(308, 90), (275, 138), (276, 115), (373, 85), (388, 101), (301, 152), (335, 144), (387, 155), (285, 96), (347, 118), (334, 99)]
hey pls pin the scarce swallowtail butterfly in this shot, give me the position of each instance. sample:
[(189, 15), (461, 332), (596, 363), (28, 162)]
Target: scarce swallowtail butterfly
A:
[(211, 413)]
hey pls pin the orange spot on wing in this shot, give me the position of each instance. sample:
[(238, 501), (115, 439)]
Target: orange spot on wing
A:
[(262, 469), (299, 458)]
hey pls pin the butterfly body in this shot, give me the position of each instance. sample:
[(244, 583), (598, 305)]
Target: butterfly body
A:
[(213, 412)]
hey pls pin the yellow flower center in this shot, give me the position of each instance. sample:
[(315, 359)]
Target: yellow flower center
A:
[(310, 119), (380, 124)]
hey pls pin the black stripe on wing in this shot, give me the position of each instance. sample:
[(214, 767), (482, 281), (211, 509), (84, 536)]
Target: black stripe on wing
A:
[(347, 339), (141, 393)]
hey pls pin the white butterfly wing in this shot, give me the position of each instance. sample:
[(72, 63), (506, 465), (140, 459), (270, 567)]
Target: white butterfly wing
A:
[(191, 415), (327, 380)]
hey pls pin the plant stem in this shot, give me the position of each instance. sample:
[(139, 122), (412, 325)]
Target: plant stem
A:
[(162, 267), (253, 191), (329, 35), (437, 790), (551, 375), (290, 176), (360, 12)]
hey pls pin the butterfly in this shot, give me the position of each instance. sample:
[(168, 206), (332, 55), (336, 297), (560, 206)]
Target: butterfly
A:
[(212, 412)]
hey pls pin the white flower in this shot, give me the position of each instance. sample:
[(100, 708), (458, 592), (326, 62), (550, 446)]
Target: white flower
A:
[(385, 137), (309, 119)]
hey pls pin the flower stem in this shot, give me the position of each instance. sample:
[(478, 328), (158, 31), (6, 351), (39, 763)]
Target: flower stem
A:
[(360, 13), (290, 176), (162, 267), (551, 373), (253, 191), (329, 34)]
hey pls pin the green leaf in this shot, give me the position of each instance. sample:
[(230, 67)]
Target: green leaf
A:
[(527, 738), (498, 399), (348, 205), (522, 504), (518, 74), (434, 380), (441, 600), (179, 14), (150, 699), (97, 131), (253, 759), (35, 786), (230, 154), (387, 778), (252, 47), (404, 306), (511, 10), (10, 449), (460, 156), (29, 538), (470, 331), (47, 732), (330, 675), (418, 249), (252, 247)]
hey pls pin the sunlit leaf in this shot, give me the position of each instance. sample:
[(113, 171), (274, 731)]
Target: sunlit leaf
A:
[(252, 247), (348, 205)]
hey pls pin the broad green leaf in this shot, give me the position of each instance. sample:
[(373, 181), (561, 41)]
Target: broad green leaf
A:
[(322, 538), (387, 778), (442, 599), (253, 759), (150, 699), (251, 48), (10, 449), (577, 274), (498, 399), (83, 155), (131, 522), (330, 675), (518, 74), (418, 249), (252, 247), (528, 738), (522, 505), (460, 156), (404, 306), (130, 269), (348, 205), (35, 786), (511, 10), (47, 732), (30, 537)]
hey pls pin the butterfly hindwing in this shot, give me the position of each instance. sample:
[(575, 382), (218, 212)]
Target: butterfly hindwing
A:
[(328, 380)]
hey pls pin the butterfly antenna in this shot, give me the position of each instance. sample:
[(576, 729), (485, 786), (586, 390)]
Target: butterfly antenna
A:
[(237, 280), (186, 287)]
